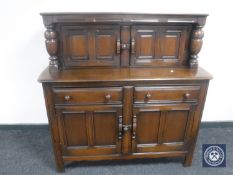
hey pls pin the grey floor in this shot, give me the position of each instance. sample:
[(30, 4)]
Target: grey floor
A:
[(28, 151)]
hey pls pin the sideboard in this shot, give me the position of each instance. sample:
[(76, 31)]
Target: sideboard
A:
[(123, 85)]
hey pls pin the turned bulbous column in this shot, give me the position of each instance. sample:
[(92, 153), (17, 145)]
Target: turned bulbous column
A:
[(195, 46), (52, 48)]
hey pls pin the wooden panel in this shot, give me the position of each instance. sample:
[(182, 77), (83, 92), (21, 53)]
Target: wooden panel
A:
[(127, 119), (147, 127), (162, 94), (105, 127), (105, 46), (170, 42), (73, 128), (104, 41), (145, 45), (175, 126), (93, 151), (127, 156), (78, 47), (145, 148), (125, 39), (87, 95), (75, 45)]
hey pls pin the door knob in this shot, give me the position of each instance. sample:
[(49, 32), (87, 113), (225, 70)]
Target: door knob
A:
[(67, 98)]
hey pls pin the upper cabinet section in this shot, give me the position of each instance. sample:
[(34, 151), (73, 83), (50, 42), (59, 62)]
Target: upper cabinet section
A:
[(75, 40)]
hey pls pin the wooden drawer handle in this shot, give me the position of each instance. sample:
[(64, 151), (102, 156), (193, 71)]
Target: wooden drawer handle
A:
[(148, 95), (187, 95), (108, 97), (67, 98)]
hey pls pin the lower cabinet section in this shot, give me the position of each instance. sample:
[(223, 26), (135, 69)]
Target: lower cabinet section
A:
[(125, 122)]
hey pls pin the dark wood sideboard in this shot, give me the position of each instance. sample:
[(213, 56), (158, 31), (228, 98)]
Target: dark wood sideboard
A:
[(123, 86)]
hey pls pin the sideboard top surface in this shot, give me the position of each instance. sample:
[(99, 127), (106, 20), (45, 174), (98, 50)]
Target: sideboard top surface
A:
[(124, 74), (101, 17)]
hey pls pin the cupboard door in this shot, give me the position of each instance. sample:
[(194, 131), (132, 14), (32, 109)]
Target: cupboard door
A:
[(158, 128), (158, 46), (90, 46), (90, 130)]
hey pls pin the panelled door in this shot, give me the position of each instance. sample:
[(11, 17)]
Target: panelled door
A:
[(158, 45), (90, 45), (90, 130), (158, 128)]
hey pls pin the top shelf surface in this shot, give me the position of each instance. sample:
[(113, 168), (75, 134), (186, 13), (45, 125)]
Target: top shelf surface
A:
[(101, 17), (121, 13)]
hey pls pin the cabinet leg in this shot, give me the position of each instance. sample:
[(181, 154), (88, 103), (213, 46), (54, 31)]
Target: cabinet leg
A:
[(58, 158), (188, 160), (59, 165)]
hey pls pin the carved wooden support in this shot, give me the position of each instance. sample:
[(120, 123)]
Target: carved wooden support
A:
[(52, 47), (195, 47)]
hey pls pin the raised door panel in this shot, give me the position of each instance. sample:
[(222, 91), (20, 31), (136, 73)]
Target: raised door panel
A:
[(170, 43), (89, 130), (161, 128), (76, 45), (73, 123), (105, 41), (147, 127), (105, 127), (89, 46), (175, 125), (159, 45), (145, 46)]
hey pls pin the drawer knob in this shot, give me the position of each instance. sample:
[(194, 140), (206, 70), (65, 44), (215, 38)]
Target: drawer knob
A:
[(187, 95), (148, 95), (108, 97), (67, 98)]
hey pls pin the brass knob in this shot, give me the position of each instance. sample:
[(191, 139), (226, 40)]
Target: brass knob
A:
[(67, 98), (187, 95), (148, 95), (108, 97)]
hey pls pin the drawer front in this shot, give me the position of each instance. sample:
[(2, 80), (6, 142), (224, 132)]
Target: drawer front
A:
[(160, 94), (87, 95)]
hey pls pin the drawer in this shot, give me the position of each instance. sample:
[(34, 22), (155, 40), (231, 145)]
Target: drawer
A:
[(87, 95), (163, 94)]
